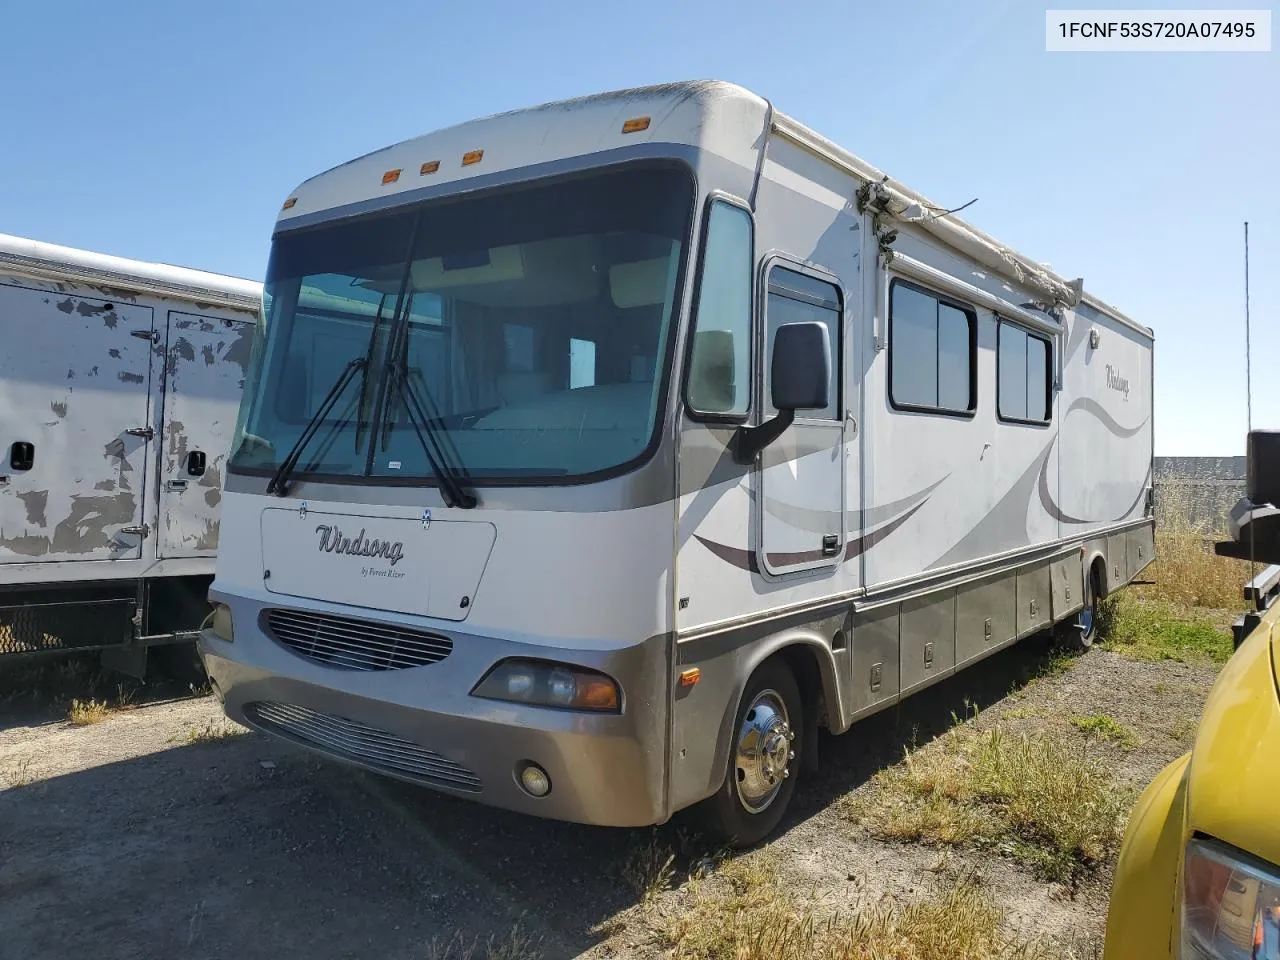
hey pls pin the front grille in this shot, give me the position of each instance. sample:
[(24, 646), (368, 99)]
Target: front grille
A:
[(375, 748), (355, 644)]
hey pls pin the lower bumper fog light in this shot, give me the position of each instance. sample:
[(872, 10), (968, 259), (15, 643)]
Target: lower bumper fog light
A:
[(534, 780)]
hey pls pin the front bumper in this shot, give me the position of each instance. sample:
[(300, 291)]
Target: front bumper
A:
[(608, 770)]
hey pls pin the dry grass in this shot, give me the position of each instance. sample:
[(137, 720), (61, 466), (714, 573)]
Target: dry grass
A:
[(515, 945), (84, 713), (746, 911), (20, 774), (213, 729), (1041, 799), (1187, 573), (1186, 611), (649, 870)]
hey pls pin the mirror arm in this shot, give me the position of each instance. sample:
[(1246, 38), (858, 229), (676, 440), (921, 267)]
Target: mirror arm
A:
[(749, 441)]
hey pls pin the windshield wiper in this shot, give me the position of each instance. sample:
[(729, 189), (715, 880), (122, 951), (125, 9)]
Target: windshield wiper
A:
[(434, 439), (279, 482)]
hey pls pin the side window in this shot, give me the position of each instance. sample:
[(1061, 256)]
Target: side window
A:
[(719, 379), (795, 298), (1022, 390), (582, 363), (932, 347)]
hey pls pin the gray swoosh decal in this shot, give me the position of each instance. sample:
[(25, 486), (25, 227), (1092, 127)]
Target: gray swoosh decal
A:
[(819, 521), (1090, 405), (746, 559), (991, 534)]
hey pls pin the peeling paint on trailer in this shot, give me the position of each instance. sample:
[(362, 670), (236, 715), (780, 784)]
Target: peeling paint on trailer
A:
[(204, 376), (68, 505)]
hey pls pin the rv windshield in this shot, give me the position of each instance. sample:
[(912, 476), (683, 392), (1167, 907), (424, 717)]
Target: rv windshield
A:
[(533, 323)]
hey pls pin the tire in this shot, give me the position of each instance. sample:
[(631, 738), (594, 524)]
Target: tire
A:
[(1079, 633), (757, 787)]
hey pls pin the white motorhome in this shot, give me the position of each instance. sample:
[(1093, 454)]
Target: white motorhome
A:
[(595, 455), (119, 385)]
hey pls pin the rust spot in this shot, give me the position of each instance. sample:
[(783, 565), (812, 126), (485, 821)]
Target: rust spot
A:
[(184, 349), (107, 485), (207, 352), (94, 371), (59, 407), (66, 306), (113, 353), (111, 320), (213, 496), (126, 377), (86, 309)]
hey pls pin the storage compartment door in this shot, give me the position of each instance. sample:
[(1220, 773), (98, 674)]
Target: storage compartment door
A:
[(74, 374), (204, 377)]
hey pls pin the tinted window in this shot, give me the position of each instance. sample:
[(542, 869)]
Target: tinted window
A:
[(931, 351), (531, 326), (796, 298), (1022, 375), (720, 361)]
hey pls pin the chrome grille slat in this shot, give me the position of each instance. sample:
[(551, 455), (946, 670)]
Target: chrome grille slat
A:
[(352, 740), (356, 629), (347, 643), (352, 643)]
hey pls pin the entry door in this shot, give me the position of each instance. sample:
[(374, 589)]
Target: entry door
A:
[(801, 479), (74, 373), (205, 369)]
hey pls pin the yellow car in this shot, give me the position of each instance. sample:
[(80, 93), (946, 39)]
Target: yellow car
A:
[(1199, 872)]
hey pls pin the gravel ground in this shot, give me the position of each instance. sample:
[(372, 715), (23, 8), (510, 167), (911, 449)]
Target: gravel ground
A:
[(134, 837)]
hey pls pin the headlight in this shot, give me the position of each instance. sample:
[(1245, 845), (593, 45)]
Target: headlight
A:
[(1230, 904), (220, 622), (550, 685)]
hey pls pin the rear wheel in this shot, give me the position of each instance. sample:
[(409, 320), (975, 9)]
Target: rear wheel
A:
[(1079, 632), (764, 757)]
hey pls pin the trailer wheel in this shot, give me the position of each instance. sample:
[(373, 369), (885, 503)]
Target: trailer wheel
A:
[(760, 775)]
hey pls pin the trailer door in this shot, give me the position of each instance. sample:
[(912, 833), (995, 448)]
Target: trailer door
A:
[(74, 375), (801, 478), (205, 361)]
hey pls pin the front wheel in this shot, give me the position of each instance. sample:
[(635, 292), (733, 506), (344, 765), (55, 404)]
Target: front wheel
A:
[(764, 757)]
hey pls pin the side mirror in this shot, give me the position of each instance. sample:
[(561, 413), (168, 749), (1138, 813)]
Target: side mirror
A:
[(799, 379), (800, 375)]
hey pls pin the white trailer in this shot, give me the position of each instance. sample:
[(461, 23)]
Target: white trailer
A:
[(594, 455), (119, 384)]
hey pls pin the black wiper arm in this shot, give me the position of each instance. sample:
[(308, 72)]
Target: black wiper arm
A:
[(450, 478), (279, 482)]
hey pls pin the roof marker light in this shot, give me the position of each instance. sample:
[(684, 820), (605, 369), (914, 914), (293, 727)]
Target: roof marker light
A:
[(391, 176), (431, 166), (690, 677), (635, 125), (472, 156), (290, 202)]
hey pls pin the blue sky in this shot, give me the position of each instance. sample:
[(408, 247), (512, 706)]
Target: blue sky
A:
[(173, 132)]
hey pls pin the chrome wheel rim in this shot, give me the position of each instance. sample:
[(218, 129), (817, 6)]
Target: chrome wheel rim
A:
[(764, 751)]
